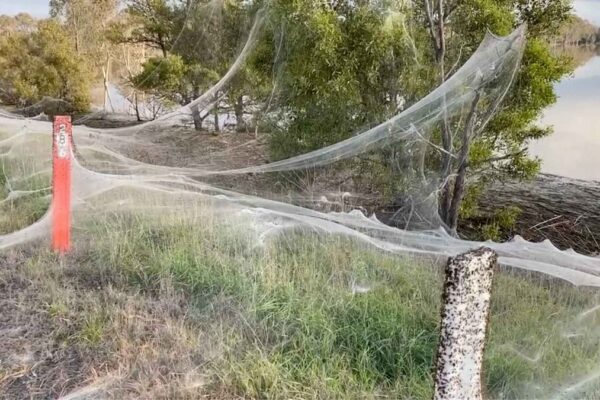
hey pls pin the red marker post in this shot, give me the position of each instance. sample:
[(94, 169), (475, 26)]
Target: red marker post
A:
[(61, 184)]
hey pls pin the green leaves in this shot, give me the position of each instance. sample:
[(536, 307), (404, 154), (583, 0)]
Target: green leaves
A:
[(154, 23), (43, 64), (198, 40), (162, 74), (345, 68), (351, 65), (171, 77)]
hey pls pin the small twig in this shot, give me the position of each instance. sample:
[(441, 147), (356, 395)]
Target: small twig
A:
[(566, 222), (456, 64), (546, 222), (593, 236), (505, 157)]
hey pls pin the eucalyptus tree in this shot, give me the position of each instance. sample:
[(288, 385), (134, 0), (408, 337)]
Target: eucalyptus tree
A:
[(500, 149), (89, 23)]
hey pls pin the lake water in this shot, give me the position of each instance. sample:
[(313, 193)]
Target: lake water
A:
[(573, 150)]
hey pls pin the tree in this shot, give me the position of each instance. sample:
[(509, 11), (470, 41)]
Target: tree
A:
[(88, 23), (41, 64), (346, 66), (172, 79), (345, 71), (20, 23), (578, 32), (155, 23), (178, 78), (501, 148), (198, 43)]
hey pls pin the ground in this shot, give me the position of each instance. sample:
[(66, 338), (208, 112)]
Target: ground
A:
[(28, 350), (176, 307)]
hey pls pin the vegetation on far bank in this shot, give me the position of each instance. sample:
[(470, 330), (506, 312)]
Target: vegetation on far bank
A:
[(578, 32)]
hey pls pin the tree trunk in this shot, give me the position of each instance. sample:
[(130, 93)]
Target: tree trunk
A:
[(106, 75), (216, 115), (137, 106), (447, 145), (438, 37), (197, 118), (439, 40), (163, 46), (239, 114), (77, 44), (463, 162)]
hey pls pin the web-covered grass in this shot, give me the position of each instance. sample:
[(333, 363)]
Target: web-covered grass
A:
[(25, 200), (312, 316)]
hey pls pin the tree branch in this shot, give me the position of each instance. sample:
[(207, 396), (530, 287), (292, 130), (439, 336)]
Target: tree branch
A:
[(434, 37), (459, 183), (504, 157)]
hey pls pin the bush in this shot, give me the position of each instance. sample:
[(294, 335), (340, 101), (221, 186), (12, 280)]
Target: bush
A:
[(43, 64)]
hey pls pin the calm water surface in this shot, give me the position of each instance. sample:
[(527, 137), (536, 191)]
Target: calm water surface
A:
[(573, 150)]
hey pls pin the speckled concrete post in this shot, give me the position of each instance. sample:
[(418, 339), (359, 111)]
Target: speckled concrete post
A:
[(465, 309)]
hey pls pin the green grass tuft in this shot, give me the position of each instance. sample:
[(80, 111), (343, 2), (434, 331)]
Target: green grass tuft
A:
[(297, 330)]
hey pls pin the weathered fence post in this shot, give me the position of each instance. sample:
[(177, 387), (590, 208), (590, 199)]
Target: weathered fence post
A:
[(465, 310)]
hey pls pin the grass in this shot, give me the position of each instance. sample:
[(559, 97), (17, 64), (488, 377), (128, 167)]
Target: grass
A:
[(281, 320), (24, 188)]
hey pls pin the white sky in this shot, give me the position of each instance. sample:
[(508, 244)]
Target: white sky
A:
[(37, 8), (589, 9)]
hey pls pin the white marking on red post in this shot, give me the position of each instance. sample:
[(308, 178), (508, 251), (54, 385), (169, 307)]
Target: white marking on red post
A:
[(61, 184)]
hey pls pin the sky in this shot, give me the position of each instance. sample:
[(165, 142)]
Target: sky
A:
[(588, 9), (37, 8)]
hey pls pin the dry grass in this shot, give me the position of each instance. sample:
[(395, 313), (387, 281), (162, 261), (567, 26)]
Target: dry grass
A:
[(73, 331)]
